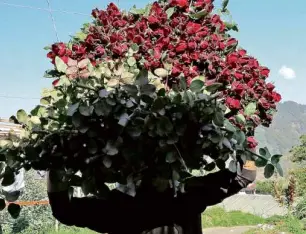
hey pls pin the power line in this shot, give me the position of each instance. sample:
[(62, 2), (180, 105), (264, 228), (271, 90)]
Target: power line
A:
[(42, 9), (16, 97), (53, 20)]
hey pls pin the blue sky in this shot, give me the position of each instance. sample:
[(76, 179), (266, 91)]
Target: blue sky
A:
[(273, 31)]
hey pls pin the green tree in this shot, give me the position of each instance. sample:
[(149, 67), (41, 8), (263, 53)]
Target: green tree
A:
[(298, 153)]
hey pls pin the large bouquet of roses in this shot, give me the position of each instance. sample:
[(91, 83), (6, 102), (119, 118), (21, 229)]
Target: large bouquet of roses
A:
[(162, 90)]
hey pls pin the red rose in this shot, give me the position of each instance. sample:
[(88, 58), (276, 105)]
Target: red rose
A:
[(252, 143), (204, 45), (264, 103), (270, 86), (238, 75), (100, 50), (192, 45), (176, 69), (242, 52), (181, 47), (192, 28), (238, 88), (194, 56), (231, 41), (119, 23), (251, 83), (51, 55), (179, 3), (157, 53), (119, 49), (55, 82), (233, 103), (264, 71), (186, 58), (232, 58), (138, 39), (276, 97), (153, 20)]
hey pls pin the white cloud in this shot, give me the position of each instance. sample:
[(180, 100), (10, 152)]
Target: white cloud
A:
[(287, 72)]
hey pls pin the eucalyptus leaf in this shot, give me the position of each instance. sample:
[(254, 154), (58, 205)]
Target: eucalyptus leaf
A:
[(199, 15), (170, 157), (213, 87), (86, 110), (250, 109), (269, 171), (170, 11), (124, 119), (196, 85), (275, 159), (110, 148), (218, 118), (279, 169), (72, 109), (22, 116), (131, 61), (142, 78), (60, 65)]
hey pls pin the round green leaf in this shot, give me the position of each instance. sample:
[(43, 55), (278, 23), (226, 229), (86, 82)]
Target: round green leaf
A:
[(275, 159), (35, 120), (264, 152), (72, 109), (86, 110), (250, 109), (170, 157), (147, 89), (161, 72), (213, 87), (110, 148), (131, 61), (240, 119), (60, 65), (260, 162), (170, 11), (269, 171), (22, 116), (218, 118), (196, 86)]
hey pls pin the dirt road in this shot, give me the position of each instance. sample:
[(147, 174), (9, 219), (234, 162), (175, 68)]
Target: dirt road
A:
[(228, 230)]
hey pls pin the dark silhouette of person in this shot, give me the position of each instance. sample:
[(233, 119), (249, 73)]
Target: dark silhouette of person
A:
[(149, 212)]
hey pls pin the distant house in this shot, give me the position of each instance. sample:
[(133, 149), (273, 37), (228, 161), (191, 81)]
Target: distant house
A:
[(6, 127)]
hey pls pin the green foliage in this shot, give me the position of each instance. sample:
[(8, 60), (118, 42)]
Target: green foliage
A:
[(265, 187), (287, 224), (300, 179), (218, 217), (289, 123), (300, 209), (298, 153), (94, 125)]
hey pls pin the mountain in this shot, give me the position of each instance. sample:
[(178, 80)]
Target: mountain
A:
[(288, 125)]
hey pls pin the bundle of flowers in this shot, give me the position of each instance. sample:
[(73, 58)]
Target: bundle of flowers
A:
[(162, 91)]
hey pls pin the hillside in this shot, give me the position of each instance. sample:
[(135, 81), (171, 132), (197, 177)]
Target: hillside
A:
[(288, 125)]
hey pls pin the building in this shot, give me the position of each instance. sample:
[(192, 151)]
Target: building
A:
[(6, 127)]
